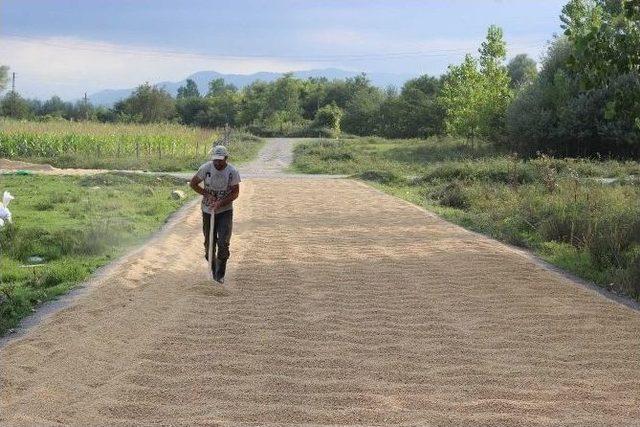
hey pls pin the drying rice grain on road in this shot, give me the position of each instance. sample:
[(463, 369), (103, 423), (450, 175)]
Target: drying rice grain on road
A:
[(361, 310)]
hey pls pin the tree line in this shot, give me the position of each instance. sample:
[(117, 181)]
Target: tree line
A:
[(584, 100), (287, 106)]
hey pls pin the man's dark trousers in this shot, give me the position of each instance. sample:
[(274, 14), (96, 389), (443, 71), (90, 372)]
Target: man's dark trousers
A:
[(221, 236)]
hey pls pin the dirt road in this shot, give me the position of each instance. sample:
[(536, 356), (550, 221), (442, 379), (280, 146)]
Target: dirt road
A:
[(343, 306)]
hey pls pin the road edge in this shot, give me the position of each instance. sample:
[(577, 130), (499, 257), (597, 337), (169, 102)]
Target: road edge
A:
[(45, 311), (535, 259)]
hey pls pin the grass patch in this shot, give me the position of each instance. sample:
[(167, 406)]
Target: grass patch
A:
[(76, 224), (581, 215)]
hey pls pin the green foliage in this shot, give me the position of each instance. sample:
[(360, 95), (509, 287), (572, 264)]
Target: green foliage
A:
[(415, 112), (329, 117), (15, 106), (361, 110), (192, 109), (283, 100), (382, 177), (220, 110), (605, 35), (189, 90), (4, 78), (522, 70), (586, 99), (461, 98), (452, 194), (496, 92), (476, 98), (88, 221), (218, 87), (580, 214), (147, 104), (285, 107)]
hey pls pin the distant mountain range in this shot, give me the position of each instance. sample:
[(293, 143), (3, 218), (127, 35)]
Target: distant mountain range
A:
[(109, 97)]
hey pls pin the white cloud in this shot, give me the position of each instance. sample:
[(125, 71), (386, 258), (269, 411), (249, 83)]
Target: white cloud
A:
[(371, 45), (69, 66)]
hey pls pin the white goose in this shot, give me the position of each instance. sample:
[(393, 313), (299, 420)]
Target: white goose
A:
[(5, 213)]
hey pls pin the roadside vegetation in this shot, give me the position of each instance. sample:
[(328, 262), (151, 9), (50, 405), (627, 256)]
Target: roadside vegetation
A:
[(581, 215), (155, 147), (544, 159), (75, 225)]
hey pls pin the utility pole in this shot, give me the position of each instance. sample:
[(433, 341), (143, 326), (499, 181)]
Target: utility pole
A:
[(86, 107), (13, 95)]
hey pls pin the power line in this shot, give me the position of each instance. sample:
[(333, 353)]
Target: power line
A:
[(316, 58)]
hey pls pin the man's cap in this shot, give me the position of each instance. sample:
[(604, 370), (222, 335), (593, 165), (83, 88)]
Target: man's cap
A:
[(220, 152)]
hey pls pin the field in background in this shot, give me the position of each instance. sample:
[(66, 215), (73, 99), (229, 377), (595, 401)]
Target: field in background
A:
[(75, 224), (155, 147), (582, 215)]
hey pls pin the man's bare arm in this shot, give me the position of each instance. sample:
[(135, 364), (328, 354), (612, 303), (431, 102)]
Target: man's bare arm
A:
[(195, 185), (235, 192)]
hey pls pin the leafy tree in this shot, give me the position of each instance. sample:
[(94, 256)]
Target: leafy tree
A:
[(586, 99), (533, 118), (253, 103), (338, 91), (218, 87), (3, 77), (329, 117), (496, 93), (146, 105), (363, 107), (190, 90), (476, 98), (15, 106), (221, 109), (605, 35), (420, 113), (461, 98), (522, 70), (82, 111), (56, 107), (189, 109), (284, 98), (312, 96), (392, 123)]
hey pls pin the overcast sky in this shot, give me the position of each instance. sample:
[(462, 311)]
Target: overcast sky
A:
[(68, 47)]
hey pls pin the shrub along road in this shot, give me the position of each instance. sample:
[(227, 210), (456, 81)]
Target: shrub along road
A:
[(343, 306)]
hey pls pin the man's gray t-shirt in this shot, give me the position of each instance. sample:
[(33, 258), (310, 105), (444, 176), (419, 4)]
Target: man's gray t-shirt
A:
[(218, 183)]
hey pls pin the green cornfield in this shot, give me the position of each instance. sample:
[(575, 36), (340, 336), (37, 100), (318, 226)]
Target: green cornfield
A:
[(163, 146)]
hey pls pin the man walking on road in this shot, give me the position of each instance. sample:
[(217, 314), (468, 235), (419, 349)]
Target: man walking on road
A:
[(221, 187)]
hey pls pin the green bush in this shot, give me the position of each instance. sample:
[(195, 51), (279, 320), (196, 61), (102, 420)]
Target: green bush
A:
[(452, 195), (382, 177)]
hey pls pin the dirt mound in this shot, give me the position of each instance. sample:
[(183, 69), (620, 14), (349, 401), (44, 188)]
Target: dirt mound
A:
[(13, 165)]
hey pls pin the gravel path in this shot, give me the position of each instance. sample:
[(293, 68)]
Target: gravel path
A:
[(343, 306), (274, 159)]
